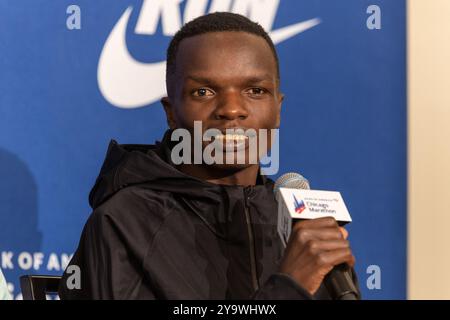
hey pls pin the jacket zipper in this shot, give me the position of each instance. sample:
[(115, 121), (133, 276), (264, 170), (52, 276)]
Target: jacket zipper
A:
[(251, 239)]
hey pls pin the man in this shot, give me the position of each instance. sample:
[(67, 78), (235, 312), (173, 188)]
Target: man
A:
[(202, 231)]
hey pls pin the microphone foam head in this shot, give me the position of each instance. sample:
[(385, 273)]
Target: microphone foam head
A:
[(291, 180)]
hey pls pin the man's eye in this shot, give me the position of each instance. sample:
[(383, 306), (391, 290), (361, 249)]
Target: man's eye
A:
[(202, 92), (256, 91)]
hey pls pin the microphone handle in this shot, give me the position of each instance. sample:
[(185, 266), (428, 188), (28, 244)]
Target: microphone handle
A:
[(339, 283)]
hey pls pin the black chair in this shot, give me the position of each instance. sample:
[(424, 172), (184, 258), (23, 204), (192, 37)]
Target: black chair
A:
[(36, 287)]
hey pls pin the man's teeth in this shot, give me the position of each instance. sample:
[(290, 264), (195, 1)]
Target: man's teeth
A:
[(236, 137)]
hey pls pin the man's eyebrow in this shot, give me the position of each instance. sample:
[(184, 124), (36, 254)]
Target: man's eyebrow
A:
[(260, 78), (250, 79), (199, 79)]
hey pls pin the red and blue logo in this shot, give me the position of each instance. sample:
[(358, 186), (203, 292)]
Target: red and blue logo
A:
[(299, 205)]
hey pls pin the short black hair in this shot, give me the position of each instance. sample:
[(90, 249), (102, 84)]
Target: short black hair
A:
[(215, 22)]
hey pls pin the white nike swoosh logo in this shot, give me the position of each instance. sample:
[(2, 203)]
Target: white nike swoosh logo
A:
[(287, 32), (127, 83)]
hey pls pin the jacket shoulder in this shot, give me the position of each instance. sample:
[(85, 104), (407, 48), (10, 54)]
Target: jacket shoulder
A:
[(134, 214), (137, 202)]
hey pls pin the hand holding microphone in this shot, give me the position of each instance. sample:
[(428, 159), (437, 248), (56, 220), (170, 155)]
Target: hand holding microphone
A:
[(317, 249), (314, 248)]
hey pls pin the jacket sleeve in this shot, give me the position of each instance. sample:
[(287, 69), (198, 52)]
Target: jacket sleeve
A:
[(107, 267), (281, 286)]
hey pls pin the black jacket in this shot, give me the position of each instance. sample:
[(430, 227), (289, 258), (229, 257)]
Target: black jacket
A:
[(156, 233)]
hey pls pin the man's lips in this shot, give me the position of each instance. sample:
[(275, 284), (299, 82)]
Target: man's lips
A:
[(231, 142), (249, 132), (233, 139)]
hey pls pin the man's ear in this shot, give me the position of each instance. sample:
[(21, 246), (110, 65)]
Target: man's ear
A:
[(280, 102), (168, 108)]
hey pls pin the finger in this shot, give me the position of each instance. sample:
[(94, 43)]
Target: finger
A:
[(302, 236), (325, 234), (335, 257), (317, 246), (325, 222), (344, 232)]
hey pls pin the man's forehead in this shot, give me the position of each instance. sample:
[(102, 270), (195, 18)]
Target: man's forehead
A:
[(225, 48), (222, 40)]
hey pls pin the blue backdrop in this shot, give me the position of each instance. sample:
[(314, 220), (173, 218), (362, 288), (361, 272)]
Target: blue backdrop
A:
[(343, 119)]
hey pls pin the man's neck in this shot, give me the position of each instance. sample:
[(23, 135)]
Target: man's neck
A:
[(241, 177)]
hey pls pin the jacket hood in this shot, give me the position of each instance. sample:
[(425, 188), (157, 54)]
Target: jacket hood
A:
[(132, 164)]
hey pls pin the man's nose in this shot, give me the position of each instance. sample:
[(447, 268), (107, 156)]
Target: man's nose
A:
[(231, 107)]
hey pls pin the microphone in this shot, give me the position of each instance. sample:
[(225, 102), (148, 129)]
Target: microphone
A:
[(338, 281)]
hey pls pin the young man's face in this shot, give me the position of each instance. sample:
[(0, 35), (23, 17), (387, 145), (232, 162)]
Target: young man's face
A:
[(225, 80)]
